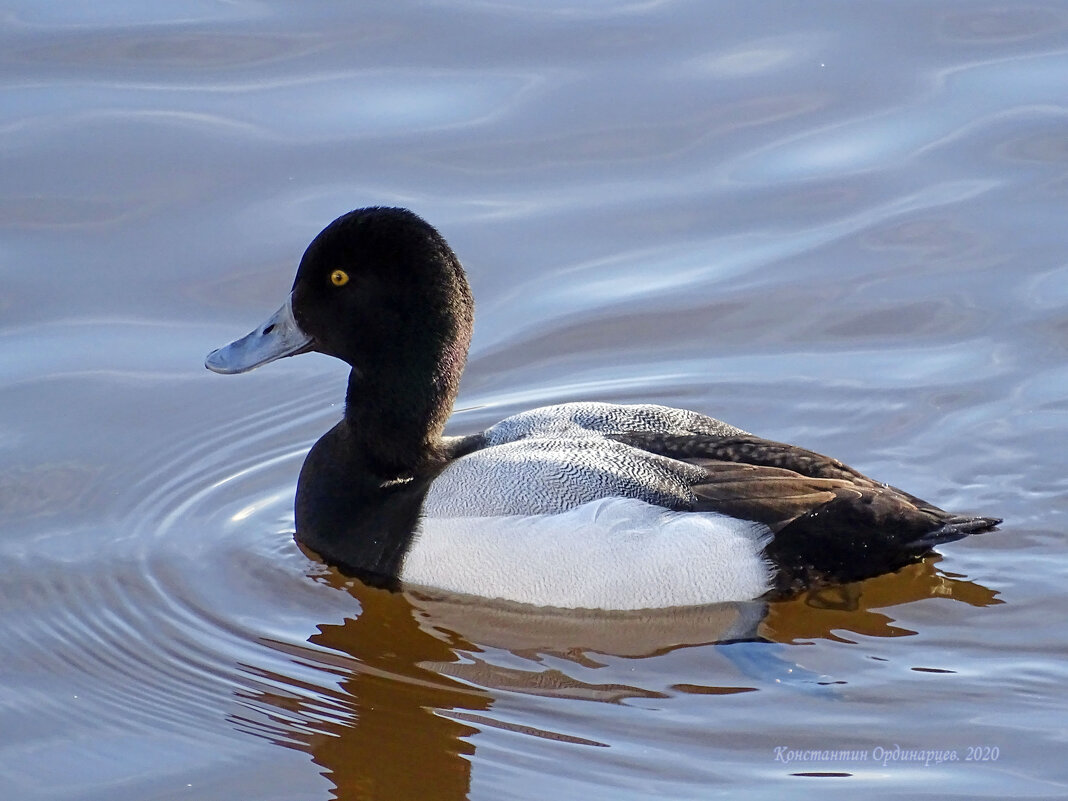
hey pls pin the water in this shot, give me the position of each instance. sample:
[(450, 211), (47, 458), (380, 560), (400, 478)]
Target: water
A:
[(839, 225)]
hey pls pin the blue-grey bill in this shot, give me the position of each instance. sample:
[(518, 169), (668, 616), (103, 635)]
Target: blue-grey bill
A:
[(277, 337)]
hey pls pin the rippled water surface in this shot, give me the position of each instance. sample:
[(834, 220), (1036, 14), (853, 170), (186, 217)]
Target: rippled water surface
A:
[(836, 224)]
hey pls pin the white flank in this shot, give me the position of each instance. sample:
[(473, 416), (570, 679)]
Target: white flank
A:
[(615, 553)]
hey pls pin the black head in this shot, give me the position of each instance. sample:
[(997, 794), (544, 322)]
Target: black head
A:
[(379, 287), (382, 290)]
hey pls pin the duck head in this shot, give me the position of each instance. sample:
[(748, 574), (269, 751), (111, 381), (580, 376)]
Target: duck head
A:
[(380, 289)]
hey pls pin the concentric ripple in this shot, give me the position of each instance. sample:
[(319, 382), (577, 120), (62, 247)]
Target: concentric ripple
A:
[(153, 613)]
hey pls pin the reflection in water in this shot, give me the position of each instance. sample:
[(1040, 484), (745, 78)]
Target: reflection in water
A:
[(418, 673), (860, 608), (384, 732)]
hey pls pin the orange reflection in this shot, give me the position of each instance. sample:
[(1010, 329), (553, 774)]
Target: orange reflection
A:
[(826, 612), (393, 728), (417, 671)]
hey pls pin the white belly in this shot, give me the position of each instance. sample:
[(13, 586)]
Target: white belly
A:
[(613, 553)]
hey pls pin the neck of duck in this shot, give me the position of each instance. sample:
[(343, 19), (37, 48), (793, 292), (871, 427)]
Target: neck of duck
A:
[(396, 414)]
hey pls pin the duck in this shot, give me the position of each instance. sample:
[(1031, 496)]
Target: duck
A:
[(583, 505)]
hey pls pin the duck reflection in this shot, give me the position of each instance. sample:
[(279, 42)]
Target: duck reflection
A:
[(834, 612), (418, 672), (384, 731)]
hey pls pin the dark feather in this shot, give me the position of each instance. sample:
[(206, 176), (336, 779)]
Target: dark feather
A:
[(831, 522)]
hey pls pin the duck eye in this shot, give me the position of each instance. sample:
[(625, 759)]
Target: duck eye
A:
[(339, 278)]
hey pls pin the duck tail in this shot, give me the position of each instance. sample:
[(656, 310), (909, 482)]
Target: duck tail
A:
[(953, 529), (863, 533)]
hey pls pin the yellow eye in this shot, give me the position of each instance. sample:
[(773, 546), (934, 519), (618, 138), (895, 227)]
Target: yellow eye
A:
[(339, 278)]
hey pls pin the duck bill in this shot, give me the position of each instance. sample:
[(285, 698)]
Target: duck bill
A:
[(278, 336)]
